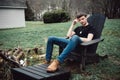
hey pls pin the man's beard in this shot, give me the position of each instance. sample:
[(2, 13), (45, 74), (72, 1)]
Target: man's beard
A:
[(84, 23)]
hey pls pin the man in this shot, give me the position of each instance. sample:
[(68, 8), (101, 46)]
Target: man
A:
[(80, 34)]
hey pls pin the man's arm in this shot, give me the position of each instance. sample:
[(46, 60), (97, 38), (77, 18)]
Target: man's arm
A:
[(70, 32), (89, 37)]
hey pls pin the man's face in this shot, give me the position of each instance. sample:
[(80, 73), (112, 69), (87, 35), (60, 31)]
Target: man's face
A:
[(82, 20)]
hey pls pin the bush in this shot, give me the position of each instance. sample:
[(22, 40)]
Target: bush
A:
[(56, 16)]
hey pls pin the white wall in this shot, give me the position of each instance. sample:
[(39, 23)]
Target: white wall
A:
[(11, 18)]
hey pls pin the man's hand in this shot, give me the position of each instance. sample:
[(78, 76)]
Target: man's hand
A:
[(72, 33), (74, 21)]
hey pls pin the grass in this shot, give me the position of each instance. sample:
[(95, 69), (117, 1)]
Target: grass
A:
[(35, 34)]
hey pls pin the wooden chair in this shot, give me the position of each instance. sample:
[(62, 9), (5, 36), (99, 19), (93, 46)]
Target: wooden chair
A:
[(88, 49)]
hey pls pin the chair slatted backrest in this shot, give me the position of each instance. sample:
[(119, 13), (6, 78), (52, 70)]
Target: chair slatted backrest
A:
[(97, 21)]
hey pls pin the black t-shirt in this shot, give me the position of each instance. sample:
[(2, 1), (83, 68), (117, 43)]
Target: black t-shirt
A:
[(82, 31)]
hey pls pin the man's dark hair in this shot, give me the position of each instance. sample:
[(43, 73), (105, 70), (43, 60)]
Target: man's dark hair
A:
[(80, 15)]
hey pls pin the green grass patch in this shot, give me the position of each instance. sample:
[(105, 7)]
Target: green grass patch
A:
[(34, 34)]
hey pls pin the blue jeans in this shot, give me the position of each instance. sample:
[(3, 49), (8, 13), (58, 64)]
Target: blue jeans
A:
[(67, 44)]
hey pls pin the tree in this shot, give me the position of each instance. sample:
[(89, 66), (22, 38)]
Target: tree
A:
[(29, 15), (112, 9)]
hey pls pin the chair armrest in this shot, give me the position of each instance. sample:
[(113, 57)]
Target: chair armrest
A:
[(92, 42)]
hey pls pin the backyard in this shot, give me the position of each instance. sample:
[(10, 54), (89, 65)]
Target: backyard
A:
[(35, 35)]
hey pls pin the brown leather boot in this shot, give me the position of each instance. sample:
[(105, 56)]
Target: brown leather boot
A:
[(53, 67)]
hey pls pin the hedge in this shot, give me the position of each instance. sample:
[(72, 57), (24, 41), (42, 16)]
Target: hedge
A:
[(56, 16)]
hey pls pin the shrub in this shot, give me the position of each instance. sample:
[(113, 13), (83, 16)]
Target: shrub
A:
[(56, 16)]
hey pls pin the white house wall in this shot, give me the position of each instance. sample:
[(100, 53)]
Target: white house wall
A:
[(11, 18)]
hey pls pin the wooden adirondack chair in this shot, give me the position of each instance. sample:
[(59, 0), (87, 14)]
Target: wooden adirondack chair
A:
[(88, 49)]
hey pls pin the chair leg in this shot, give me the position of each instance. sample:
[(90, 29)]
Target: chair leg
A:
[(83, 58), (83, 64)]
